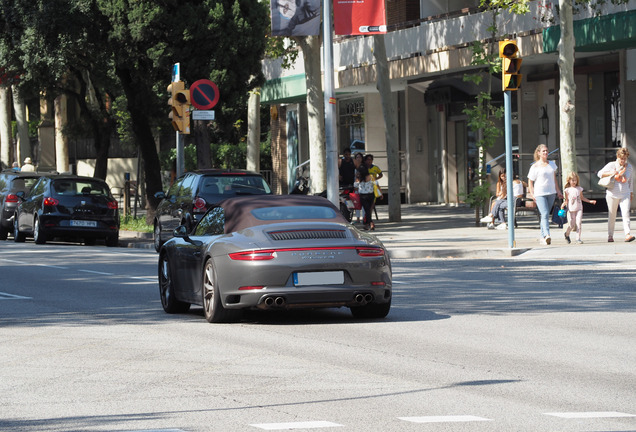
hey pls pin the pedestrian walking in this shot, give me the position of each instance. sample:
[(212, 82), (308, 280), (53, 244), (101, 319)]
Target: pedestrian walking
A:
[(364, 184), (620, 192), (543, 188), (573, 200)]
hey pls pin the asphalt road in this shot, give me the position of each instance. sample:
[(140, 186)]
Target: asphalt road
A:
[(515, 344)]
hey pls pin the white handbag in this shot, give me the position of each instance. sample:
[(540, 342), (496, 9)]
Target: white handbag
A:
[(606, 182)]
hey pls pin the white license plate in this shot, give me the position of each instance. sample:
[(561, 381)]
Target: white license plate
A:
[(319, 278), (83, 223)]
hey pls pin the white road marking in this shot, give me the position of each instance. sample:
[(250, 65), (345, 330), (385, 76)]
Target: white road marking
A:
[(296, 425), (96, 272), (52, 266), (147, 279), (157, 430), (591, 414), (444, 419), (7, 296), (13, 261)]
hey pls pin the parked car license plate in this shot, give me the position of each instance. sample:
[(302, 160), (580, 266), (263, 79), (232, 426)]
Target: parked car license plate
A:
[(83, 223), (319, 278)]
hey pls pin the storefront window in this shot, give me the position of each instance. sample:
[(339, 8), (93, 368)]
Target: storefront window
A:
[(351, 125)]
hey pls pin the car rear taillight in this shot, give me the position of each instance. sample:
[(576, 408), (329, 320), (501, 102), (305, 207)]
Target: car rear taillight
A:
[(370, 252), (253, 255), (251, 287), (48, 201), (199, 205), (11, 198), (112, 205)]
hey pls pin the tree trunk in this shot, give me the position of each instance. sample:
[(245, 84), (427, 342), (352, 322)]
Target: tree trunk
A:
[(102, 131), (567, 89), (5, 127), (254, 131), (315, 113), (61, 140), (143, 133), (389, 111), (23, 149)]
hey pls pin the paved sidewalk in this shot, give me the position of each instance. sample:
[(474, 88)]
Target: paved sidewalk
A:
[(439, 231)]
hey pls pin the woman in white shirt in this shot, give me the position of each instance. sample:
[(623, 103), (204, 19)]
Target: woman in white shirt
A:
[(543, 188), (620, 193)]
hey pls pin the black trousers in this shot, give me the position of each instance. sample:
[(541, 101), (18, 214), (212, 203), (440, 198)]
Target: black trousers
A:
[(367, 201)]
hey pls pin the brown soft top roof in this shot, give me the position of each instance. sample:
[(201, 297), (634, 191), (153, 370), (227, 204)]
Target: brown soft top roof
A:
[(238, 210)]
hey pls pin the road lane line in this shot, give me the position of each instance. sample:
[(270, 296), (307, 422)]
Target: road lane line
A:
[(96, 272), (12, 261), (147, 279), (296, 425), (7, 296), (590, 414), (444, 419)]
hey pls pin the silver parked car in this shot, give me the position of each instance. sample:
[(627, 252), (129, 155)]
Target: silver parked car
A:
[(274, 252)]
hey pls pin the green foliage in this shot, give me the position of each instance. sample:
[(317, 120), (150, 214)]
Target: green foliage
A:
[(130, 223), (477, 197)]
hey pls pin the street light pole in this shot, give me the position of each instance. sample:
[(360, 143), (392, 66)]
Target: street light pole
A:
[(330, 107)]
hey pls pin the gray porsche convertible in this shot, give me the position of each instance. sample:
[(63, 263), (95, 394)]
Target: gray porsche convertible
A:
[(274, 252)]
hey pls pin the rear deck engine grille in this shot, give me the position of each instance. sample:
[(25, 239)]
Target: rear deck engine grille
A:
[(307, 234)]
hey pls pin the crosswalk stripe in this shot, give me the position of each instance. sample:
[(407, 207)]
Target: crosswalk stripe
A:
[(444, 419), (296, 425), (591, 414)]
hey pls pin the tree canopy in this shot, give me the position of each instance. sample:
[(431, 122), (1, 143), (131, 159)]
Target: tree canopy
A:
[(126, 49)]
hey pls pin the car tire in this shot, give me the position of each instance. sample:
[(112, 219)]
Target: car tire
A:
[(211, 298), (371, 310), (157, 237), (348, 215), (112, 241), (39, 236), (4, 233), (166, 289), (18, 237)]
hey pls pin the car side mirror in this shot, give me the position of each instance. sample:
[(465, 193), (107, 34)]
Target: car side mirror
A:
[(20, 194), (182, 232), (160, 195)]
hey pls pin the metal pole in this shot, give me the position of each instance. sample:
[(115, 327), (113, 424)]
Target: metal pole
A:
[(176, 76), (330, 107), (509, 170)]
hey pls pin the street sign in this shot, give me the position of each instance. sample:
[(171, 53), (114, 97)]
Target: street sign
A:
[(204, 94), (203, 115)]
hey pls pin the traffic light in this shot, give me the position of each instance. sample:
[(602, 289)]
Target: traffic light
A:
[(180, 103), (510, 65)]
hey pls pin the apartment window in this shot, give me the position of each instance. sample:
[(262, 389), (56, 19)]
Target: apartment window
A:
[(351, 121)]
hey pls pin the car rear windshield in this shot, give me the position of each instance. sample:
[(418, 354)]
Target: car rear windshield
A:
[(294, 213), (216, 188), (79, 187), (23, 184)]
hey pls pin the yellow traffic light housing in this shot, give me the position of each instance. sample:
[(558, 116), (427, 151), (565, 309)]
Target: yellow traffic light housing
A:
[(510, 65), (180, 103)]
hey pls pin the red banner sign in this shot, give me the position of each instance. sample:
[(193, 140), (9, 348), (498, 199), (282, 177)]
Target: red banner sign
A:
[(359, 17)]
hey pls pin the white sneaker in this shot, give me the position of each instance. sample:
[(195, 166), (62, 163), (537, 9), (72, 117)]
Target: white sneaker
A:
[(543, 242), (486, 219), (501, 226), (491, 225)]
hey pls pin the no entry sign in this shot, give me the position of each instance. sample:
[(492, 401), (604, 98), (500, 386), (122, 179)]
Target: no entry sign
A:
[(204, 94)]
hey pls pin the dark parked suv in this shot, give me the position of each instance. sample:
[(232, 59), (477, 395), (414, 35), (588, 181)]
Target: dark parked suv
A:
[(192, 194), (67, 206), (12, 182)]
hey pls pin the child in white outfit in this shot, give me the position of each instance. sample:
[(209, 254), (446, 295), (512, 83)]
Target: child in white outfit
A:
[(573, 195)]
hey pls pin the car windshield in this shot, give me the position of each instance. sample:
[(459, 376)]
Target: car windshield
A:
[(214, 188), (23, 184), (294, 213), (79, 187)]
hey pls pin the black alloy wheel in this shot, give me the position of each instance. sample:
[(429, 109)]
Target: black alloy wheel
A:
[(166, 289), (39, 236), (18, 237)]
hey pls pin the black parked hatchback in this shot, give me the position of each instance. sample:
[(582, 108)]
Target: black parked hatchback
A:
[(192, 194), (68, 206), (12, 182)]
